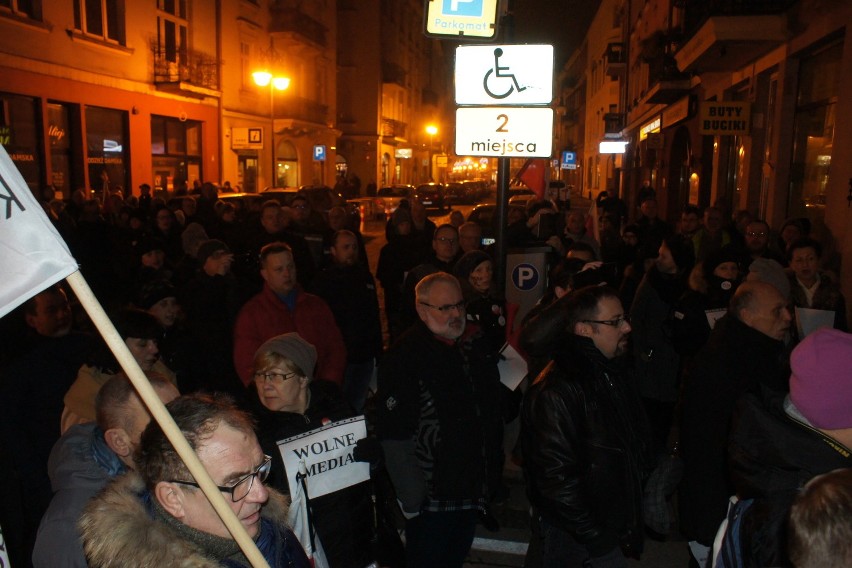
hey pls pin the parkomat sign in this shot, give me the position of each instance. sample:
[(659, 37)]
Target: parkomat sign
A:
[(731, 118)]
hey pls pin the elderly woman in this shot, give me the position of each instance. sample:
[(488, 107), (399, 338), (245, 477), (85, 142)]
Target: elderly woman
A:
[(288, 401)]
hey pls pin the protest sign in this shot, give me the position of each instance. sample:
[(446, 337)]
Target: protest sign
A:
[(327, 454)]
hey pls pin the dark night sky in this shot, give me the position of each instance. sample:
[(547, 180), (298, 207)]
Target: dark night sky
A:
[(562, 23)]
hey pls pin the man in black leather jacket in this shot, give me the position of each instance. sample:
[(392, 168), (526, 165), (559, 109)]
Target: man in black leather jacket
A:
[(585, 440)]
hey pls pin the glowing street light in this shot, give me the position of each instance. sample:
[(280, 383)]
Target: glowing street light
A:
[(263, 79), (431, 130)]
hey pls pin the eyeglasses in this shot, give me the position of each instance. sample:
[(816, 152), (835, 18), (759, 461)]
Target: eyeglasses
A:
[(756, 234), (242, 487), (300, 207), (260, 376), (446, 308), (446, 240), (617, 322)]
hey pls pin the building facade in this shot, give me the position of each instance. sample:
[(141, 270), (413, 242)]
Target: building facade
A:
[(744, 106), (98, 94)]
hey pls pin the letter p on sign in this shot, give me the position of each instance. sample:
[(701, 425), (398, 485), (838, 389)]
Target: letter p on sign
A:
[(525, 276)]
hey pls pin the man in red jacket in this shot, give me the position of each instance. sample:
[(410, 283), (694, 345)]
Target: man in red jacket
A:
[(282, 307)]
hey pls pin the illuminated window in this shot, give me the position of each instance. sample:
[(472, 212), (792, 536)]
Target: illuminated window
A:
[(102, 19)]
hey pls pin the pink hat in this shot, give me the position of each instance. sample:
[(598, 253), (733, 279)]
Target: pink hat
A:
[(821, 382)]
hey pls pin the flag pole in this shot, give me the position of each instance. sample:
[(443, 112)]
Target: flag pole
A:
[(161, 415)]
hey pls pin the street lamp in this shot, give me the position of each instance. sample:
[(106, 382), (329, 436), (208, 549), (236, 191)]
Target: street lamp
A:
[(262, 79), (431, 130)]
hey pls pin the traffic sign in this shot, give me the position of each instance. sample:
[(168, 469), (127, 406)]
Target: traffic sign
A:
[(525, 276), (319, 153), (462, 19), (520, 132), (569, 161), (504, 74)]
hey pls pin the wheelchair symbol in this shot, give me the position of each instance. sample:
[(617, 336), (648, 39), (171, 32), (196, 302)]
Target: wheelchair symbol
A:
[(497, 71)]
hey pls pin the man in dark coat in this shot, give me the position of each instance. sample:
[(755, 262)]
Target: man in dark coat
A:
[(438, 419), (350, 291), (586, 441), (745, 351)]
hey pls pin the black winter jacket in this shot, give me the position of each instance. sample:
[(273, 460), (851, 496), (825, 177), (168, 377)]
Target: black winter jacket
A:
[(585, 445), (772, 455)]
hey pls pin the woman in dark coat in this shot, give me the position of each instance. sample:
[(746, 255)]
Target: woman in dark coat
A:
[(287, 401)]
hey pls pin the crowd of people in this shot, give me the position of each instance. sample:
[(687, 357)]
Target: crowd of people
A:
[(661, 360)]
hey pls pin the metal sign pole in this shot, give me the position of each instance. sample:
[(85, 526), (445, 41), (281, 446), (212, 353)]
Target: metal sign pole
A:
[(502, 215)]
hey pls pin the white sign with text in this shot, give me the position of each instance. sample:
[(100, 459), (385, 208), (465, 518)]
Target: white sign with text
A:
[(503, 132), (327, 453)]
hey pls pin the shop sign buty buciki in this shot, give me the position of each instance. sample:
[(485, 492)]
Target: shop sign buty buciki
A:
[(728, 118)]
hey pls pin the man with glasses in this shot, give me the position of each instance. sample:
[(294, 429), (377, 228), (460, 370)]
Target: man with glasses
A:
[(445, 253), (439, 424), (586, 441), (159, 517)]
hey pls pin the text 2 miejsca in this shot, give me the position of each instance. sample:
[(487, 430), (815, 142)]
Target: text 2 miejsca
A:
[(524, 132)]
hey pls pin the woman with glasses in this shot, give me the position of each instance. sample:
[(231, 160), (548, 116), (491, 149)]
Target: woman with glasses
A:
[(287, 401)]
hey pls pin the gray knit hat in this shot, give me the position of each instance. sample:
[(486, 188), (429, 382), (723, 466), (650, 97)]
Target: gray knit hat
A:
[(291, 346)]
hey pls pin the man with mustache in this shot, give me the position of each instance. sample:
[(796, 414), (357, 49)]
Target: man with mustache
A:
[(438, 418), (586, 440)]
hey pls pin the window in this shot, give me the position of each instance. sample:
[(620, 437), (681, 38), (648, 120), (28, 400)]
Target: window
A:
[(106, 139), (176, 149), (101, 19), (172, 31), (813, 127), (19, 134), (23, 8)]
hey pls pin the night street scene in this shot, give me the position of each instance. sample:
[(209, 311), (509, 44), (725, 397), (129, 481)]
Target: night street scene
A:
[(425, 283)]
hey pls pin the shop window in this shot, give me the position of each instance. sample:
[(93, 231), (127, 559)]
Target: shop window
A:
[(813, 132), (176, 149), (101, 19), (286, 165), (60, 133), (106, 148), (19, 128)]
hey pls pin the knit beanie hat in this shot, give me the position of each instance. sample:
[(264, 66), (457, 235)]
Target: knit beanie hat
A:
[(291, 346), (769, 271), (468, 263), (401, 215), (820, 383), (727, 253), (153, 291), (131, 322), (192, 237), (208, 248)]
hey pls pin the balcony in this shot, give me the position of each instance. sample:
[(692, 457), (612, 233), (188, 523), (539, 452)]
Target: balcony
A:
[(725, 35), (298, 25), (185, 72), (616, 60), (393, 129), (304, 110)]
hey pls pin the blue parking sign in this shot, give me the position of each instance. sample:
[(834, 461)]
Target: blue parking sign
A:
[(319, 153), (462, 8)]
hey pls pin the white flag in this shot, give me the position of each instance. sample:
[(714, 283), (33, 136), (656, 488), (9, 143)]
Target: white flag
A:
[(32, 254), (298, 519)]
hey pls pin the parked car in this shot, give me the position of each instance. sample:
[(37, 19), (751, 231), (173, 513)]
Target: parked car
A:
[(454, 193), (390, 196), (431, 195), (476, 190), (483, 215)]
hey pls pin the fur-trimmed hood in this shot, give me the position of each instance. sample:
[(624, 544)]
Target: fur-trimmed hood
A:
[(118, 531)]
